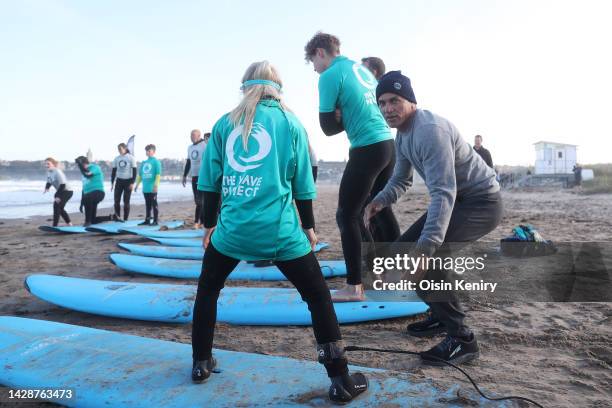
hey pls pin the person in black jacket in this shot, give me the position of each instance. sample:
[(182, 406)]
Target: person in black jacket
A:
[(482, 152)]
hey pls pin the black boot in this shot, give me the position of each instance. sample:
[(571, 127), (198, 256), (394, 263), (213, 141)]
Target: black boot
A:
[(145, 222), (345, 386), (202, 369)]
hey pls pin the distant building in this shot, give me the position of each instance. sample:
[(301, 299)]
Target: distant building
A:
[(89, 155), (554, 158)]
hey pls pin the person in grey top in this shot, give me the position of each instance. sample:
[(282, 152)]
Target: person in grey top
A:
[(124, 173), (465, 205), (63, 192)]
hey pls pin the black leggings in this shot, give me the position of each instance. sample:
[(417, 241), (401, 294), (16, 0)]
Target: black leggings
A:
[(303, 272), (58, 208), (90, 202), (198, 197), (122, 187), (366, 173), (151, 204)]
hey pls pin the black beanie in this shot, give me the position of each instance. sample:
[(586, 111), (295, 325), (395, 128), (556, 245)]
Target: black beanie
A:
[(396, 83)]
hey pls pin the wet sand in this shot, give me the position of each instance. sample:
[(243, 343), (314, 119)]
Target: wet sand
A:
[(559, 354)]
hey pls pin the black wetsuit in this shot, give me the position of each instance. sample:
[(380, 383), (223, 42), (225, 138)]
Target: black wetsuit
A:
[(198, 197), (58, 207), (151, 204), (366, 173), (122, 188)]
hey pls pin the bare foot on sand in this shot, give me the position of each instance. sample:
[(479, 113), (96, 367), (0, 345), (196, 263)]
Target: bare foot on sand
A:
[(349, 293)]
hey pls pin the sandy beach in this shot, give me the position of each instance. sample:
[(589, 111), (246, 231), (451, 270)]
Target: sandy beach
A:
[(559, 354)]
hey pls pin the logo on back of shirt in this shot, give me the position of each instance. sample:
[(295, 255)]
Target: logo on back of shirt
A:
[(364, 76), (264, 141)]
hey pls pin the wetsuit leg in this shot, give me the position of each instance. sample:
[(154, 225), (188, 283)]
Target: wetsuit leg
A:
[(216, 267), (361, 172), (58, 208), (127, 195), (148, 205), (305, 274), (117, 197), (198, 197)]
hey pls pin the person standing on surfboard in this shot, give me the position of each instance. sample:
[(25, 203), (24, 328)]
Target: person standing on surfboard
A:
[(150, 175), (465, 206), (124, 172), (63, 192), (195, 153), (257, 162), (93, 191), (347, 103)]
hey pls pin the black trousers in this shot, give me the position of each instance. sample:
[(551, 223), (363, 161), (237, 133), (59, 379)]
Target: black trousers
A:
[(58, 208), (90, 202), (198, 197), (122, 188), (366, 173), (303, 272), (151, 204), (471, 219)]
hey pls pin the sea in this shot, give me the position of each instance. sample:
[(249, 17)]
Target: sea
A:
[(25, 198)]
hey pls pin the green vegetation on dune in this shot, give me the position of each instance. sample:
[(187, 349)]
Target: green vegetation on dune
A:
[(602, 183)]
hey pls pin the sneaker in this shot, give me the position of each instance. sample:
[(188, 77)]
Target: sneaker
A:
[(425, 328), (202, 369), (154, 223), (87, 224), (145, 222), (346, 387), (452, 350)]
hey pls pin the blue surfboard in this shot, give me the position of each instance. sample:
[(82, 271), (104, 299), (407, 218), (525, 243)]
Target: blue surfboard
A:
[(117, 227), (187, 269), (75, 229), (236, 305), (191, 242), (107, 369), (170, 252), (148, 233)]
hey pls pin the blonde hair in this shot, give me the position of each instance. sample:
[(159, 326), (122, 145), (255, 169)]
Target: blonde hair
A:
[(244, 113), (51, 160)]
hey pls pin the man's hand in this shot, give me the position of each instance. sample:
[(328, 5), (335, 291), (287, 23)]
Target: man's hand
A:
[(112, 186), (207, 234), (46, 191), (81, 208), (312, 238), (371, 210), (131, 187), (184, 181), (57, 200), (155, 189)]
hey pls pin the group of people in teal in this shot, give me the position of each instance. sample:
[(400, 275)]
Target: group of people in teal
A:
[(126, 177), (253, 184)]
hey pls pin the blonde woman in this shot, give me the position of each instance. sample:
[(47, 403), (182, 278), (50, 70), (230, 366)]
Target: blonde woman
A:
[(63, 192), (257, 162)]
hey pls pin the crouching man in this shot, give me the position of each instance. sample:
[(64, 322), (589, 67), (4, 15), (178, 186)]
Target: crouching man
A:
[(465, 205)]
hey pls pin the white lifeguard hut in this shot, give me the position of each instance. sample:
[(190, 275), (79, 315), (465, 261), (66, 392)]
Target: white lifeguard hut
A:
[(554, 158)]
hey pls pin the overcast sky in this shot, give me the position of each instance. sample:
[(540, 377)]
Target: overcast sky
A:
[(83, 74)]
